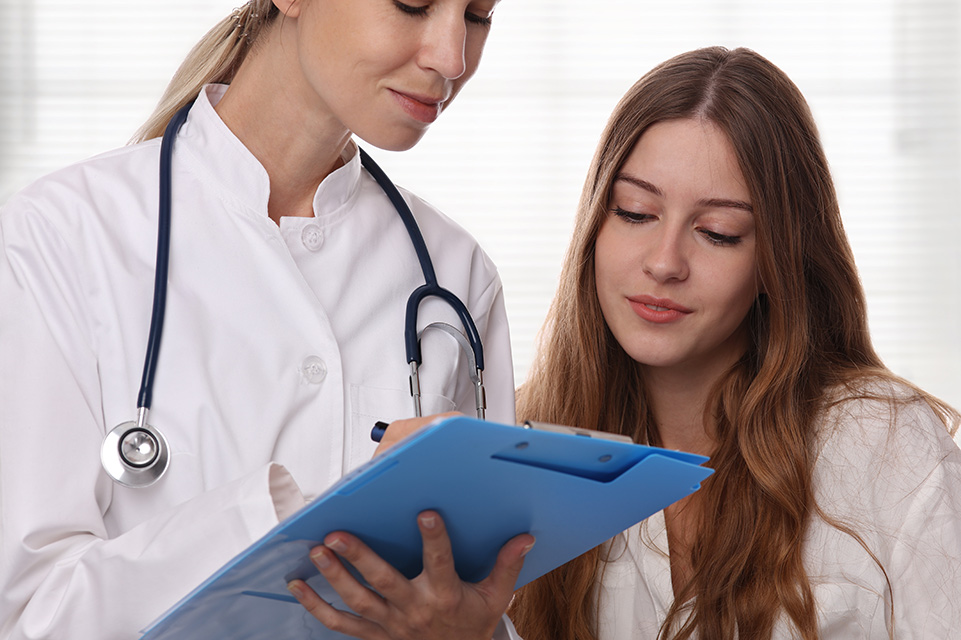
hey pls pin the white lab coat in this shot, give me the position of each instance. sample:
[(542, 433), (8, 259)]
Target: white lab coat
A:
[(898, 486), (282, 346)]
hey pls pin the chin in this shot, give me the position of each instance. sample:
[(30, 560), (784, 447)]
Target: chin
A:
[(393, 140), (651, 357), (657, 356)]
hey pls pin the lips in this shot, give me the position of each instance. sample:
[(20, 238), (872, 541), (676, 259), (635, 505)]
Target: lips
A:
[(422, 108), (657, 310)]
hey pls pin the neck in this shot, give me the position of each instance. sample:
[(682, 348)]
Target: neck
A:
[(679, 396), (679, 405), (296, 139)]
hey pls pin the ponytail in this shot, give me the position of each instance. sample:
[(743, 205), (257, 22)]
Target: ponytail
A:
[(215, 58)]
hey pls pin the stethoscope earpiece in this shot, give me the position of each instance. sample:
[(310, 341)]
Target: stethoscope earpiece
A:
[(135, 454)]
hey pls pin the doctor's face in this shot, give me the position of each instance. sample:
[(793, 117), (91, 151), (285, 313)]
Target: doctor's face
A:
[(675, 263), (386, 69)]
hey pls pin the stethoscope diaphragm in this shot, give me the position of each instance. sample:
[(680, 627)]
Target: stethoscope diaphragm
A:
[(135, 454)]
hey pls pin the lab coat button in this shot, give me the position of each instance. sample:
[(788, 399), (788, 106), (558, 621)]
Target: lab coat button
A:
[(312, 237), (314, 370)]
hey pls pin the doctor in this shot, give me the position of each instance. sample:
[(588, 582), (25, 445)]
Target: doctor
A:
[(283, 341)]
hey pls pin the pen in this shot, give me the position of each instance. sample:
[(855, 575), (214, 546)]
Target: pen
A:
[(378, 431)]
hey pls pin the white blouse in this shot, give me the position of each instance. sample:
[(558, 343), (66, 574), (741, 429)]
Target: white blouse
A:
[(281, 348), (896, 479)]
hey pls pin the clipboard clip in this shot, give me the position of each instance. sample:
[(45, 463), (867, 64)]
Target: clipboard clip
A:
[(600, 456), (577, 431)]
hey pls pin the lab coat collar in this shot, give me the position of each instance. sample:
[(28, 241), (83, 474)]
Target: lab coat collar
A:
[(337, 191), (228, 163)]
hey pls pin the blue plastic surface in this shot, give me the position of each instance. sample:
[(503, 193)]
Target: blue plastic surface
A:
[(488, 481)]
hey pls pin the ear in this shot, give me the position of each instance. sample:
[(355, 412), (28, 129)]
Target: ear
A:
[(290, 8)]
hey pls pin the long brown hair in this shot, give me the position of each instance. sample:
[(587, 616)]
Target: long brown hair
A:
[(809, 335)]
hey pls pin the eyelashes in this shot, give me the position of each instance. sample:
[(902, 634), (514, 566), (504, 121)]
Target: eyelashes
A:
[(715, 238), (479, 20), (422, 12), (630, 216), (720, 239), (411, 10)]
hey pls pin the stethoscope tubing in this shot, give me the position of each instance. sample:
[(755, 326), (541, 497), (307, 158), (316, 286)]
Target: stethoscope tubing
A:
[(146, 442), (428, 289), (145, 397), (430, 286)]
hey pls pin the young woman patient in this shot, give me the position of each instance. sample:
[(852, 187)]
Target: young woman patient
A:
[(710, 303)]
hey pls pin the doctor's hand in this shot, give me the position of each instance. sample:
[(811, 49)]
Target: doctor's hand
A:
[(436, 604), (400, 429)]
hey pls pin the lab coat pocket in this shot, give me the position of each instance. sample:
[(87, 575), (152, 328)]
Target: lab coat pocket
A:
[(369, 404)]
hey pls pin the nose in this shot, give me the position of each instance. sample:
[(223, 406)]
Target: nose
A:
[(666, 257), (444, 47)]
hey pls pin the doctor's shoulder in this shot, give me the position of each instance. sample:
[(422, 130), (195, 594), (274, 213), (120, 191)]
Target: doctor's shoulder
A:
[(97, 189), (448, 241)]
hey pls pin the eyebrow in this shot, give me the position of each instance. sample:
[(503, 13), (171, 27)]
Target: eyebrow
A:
[(637, 182), (724, 203), (721, 203)]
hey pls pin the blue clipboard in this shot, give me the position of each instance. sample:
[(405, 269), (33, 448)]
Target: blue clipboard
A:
[(488, 481)]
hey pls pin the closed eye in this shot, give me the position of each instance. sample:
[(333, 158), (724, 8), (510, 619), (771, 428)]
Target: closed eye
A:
[(421, 12), (483, 21), (411, 10), (719, 239), (632, 217)]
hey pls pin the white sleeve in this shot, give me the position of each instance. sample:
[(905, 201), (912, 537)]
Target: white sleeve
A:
[(922, 556), (63, 574), (892, 472), (505, 630)]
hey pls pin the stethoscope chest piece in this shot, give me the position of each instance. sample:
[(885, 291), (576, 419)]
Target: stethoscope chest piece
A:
[(135, 454)]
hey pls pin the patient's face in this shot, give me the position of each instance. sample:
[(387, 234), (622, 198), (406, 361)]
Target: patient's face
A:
[(675, 264)]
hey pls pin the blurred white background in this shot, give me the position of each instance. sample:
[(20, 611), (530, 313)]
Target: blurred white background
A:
[(509, 158)]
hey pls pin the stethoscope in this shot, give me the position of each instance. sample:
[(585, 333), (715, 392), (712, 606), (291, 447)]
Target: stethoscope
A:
[(136, 454)]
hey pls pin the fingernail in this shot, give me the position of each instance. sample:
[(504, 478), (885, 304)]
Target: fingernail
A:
[(527, 548), (429, 522), (337, 545), (321, 558), (295, 590)]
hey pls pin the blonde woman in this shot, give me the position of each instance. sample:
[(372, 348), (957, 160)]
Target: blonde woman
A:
[(289, 274), (710, 303)]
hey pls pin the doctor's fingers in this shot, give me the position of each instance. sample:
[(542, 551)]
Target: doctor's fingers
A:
[(340, 621), (388, 587), (400, 429), (448, 607), (438, 556), (498, 587), (439, 562)]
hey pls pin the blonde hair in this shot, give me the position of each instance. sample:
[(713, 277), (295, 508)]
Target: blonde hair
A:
[(215, 58)]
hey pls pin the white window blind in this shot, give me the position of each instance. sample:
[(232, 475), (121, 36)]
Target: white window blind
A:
[(509, 158)]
